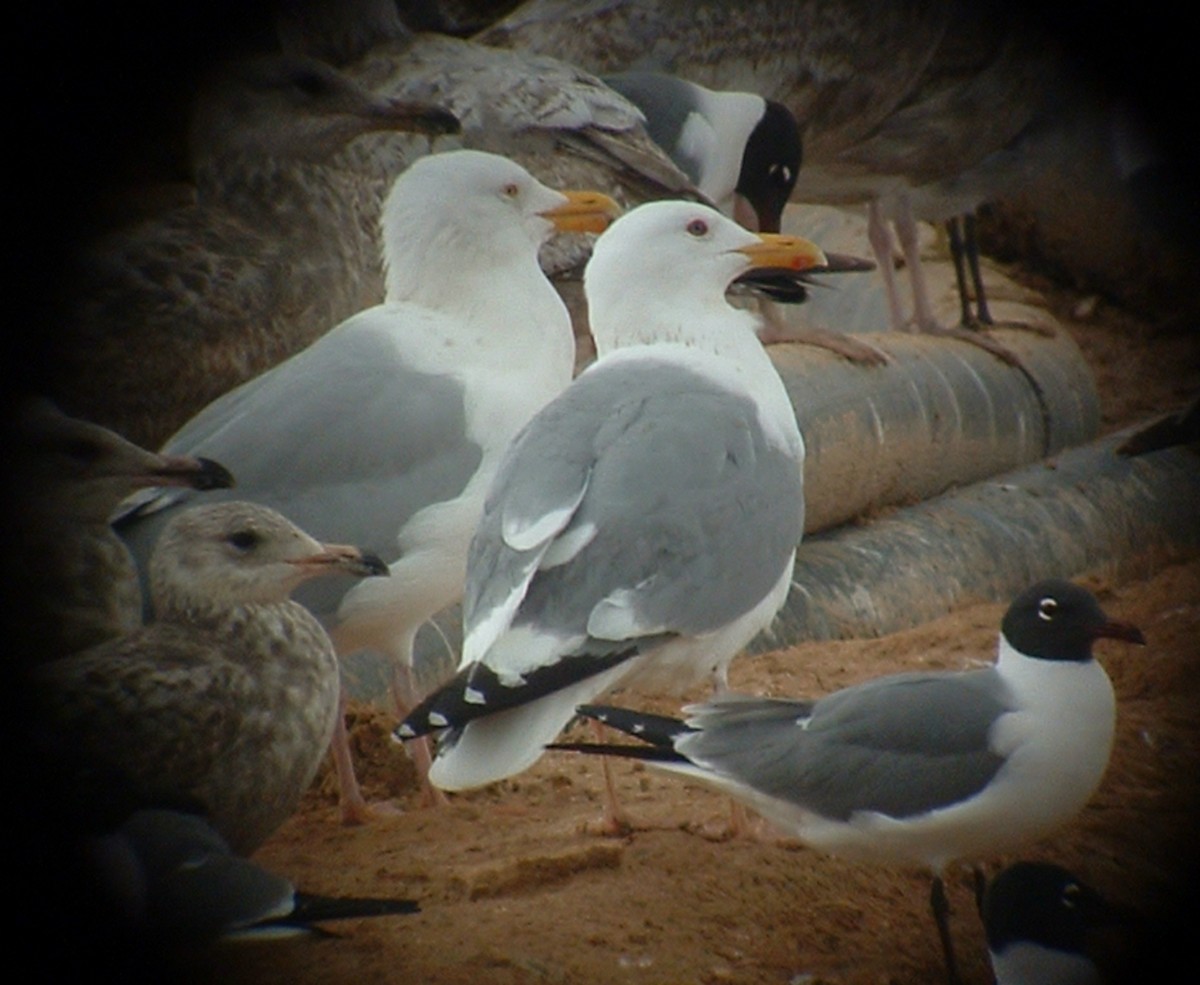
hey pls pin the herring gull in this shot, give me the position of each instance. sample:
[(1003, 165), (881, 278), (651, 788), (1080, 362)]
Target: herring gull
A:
[(744, 153), (642, 528), (386, 430), (226, 700), (910, 108), (923, 767)]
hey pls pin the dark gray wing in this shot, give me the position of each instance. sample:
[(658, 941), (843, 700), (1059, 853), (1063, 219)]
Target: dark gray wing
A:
[(901, 745)]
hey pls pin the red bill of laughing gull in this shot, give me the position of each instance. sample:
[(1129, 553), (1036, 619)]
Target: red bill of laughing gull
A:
[(927, 767)]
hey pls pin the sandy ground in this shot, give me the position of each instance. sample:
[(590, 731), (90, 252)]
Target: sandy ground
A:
[(517, 885)]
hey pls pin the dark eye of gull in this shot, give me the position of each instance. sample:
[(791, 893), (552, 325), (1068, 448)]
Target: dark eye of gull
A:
[(1070, 896), (697, 227), (1047, 608), (243, 540), (511, 190)]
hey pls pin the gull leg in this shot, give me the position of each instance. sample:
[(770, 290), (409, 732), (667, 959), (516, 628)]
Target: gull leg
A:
[(906, 229), (351, 802), (880, 237), (971, 246), (941, 915), (404, 699), (616, 821), (958, 255)]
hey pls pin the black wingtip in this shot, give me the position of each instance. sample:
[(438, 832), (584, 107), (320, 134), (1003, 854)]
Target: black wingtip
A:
[(477, 690), (212, 475), (311, 908)]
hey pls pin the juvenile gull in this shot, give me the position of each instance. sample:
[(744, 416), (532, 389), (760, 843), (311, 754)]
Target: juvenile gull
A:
[(927, 767), (387, 430), (227, 700), (69, 580), (642, 528), (272, 240)]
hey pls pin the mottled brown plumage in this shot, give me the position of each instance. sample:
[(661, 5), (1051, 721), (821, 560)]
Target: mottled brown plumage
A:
[(272, 243), (69, 581), (227, 700)]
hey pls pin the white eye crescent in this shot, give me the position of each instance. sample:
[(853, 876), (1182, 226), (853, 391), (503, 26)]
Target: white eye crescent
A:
[(1047, 609)]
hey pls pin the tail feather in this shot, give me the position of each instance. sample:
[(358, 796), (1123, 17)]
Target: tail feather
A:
[(657, 730), (651, 754), (311, 908)]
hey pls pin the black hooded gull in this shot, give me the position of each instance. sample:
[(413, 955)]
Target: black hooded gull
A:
[(744, 153), (69, 580), (228, 698), (387, 430), (642, 528), (895, 100), (1042, 924), (928, 767)]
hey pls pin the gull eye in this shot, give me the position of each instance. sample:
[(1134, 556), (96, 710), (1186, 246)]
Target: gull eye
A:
[(1070, 895), (243, 540), (511, 190), (1047, 609), (697, 227)]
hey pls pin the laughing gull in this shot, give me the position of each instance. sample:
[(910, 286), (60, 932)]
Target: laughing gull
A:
[(926, 767), (148, 891), (1040, 922), (743, 152), (228, 698), (173, 881), (387, 430), (69, 580), (894, 100), (642, 529)]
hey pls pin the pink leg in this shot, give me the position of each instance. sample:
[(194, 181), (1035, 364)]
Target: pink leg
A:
[(405, 698), (880, 237), (353, 805), (906, 229)]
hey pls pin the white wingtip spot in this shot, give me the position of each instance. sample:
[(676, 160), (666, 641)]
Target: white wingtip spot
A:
[(438, 720), (473, 696), (404, 732)]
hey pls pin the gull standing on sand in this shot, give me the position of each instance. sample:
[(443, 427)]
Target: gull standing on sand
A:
[(927, 767), (386, 431), (642, 529), (226, 701)]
